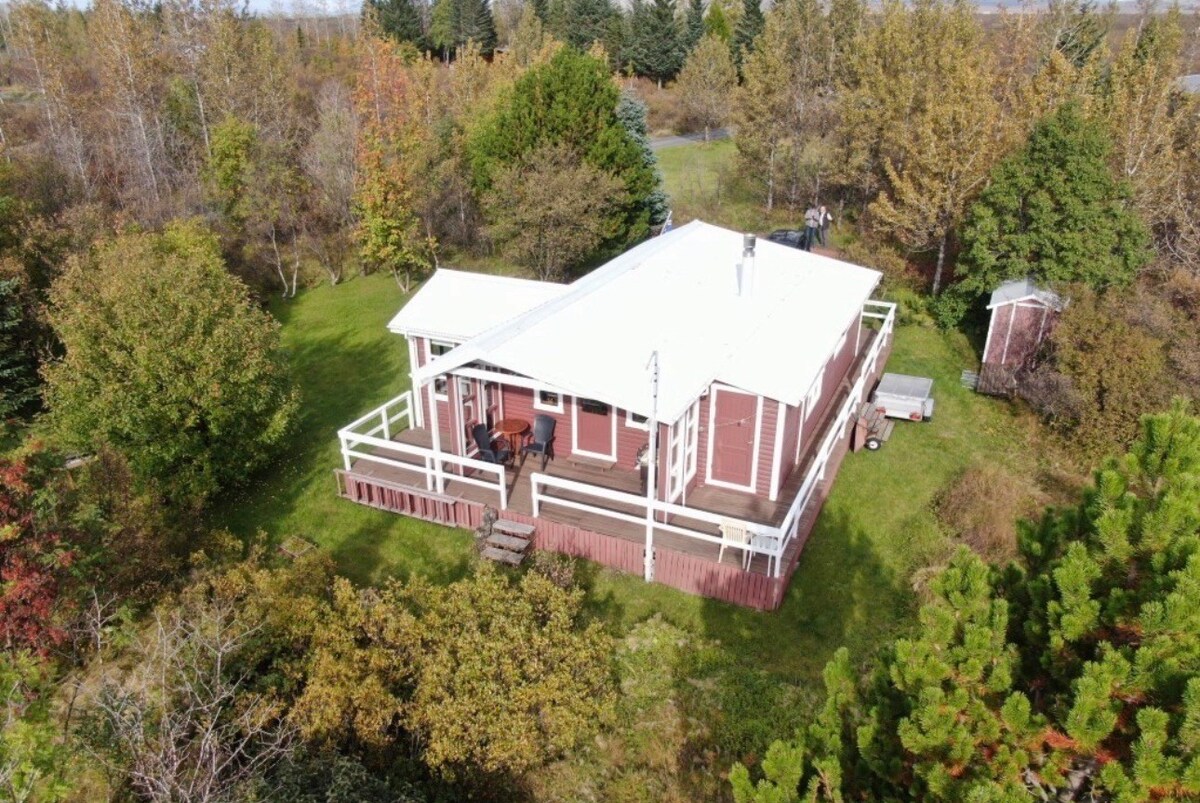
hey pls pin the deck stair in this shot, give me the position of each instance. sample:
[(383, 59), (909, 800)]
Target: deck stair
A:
[(508, 543)]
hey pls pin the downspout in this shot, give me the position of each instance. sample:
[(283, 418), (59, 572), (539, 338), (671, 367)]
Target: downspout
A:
[(652, 468)]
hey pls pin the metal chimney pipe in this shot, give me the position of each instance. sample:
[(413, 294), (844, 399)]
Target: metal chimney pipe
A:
[(746, 268)]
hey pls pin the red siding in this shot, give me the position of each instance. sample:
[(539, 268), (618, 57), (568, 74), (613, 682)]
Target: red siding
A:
[(443, 407), (1030, 324), (518, 403), (766, 447), (833, 375)]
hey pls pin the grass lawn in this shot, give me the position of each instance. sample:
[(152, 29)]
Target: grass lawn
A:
[(854, 582), (758, 672), (702, 184)]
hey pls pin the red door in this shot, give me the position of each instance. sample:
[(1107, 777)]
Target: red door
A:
[(594, 431), (735, 425)]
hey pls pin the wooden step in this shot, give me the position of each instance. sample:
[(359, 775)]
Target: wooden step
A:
[(509, 542), (513, 527), (503, 556)]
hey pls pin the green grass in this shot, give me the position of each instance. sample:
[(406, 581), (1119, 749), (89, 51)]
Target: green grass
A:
[(854, 582), (702, 184), (346, 363)]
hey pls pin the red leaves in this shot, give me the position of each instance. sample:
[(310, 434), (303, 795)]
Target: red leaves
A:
[(33, 564)]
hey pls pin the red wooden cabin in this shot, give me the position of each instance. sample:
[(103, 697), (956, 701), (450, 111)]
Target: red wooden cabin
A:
[(747, 360)]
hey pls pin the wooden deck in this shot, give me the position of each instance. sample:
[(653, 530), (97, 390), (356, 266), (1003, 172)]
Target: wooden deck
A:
[(686, 563)]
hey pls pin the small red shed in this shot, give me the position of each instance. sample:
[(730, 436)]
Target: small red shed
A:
[(1023, 315)]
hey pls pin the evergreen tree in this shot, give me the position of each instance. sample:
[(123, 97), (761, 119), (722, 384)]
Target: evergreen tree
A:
[(693, 30), (1101, 618), (542, 9), (716, 23), (455, 22), (587, 22), (1052, 212), (655, 47), (398, 19), (749, 28), (631, 111), (569, 101), (18, 377)]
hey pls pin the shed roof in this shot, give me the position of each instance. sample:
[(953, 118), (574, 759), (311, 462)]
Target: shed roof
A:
[(1024, 290), (457, 305), (677, 294)]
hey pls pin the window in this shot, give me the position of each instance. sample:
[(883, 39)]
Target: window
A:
[(547, 400), (436, 349), (594, 407), (636, 421), (814, 395)]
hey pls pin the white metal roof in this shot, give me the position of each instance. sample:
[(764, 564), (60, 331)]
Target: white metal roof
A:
[(677, 294), (1024, 290), (457, 305)]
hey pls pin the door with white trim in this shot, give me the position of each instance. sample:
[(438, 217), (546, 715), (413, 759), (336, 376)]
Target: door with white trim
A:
[(735, 421), (593, 429)]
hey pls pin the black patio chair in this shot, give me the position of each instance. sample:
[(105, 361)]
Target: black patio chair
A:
[(542, 439), (490, 451)]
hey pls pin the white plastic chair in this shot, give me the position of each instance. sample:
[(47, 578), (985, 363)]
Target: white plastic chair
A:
[(735, 534)]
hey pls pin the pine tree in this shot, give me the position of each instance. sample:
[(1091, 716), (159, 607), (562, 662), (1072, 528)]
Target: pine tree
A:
[(587, 22), (456, 22), (655, 45), (1053, 212), (693, 25), (748, 29), (398, 19), (631, 112)]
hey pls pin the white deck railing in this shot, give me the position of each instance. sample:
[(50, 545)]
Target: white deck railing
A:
[(434, 466), (779, 537)]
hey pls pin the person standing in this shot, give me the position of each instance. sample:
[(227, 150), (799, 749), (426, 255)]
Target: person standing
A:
[(824, 219), (812, 223)]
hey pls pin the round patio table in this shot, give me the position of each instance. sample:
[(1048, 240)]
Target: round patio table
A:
[(510, 428)]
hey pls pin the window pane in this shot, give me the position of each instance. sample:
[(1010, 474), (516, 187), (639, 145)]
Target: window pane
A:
[(594, 407)]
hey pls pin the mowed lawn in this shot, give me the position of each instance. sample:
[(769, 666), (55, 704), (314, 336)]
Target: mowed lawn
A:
[(854, 583)]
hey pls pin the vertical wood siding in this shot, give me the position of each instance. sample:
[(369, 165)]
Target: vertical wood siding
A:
[(834, 374), (1026, 336)]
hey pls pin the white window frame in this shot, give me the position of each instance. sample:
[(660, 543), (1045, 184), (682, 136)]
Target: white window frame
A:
[(814, 394), (538, 404), (443, 396), (644, 426)]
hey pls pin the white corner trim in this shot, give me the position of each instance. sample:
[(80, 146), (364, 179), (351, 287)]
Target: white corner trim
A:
[(777, 457)]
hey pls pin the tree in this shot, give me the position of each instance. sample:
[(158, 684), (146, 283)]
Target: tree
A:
[(455, 22), (1053, 212), (18, 376), (655, 47), (708, 83), (392, 139), (398, 19), (716, 23), (632, 114), (35, 560), (551, 211), (31, 755), (168, 360), (1099, 620), (693, 25), (183, 721), (749, 27), (509, 675), (951, 140), (328, 162), (570, 101), (783, 113), (586, 22)]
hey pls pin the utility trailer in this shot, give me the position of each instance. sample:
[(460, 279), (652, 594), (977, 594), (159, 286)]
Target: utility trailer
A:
[(907, 397)]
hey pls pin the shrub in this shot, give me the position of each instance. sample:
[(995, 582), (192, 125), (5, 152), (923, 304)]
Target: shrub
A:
[(982, 507), (168, 361)]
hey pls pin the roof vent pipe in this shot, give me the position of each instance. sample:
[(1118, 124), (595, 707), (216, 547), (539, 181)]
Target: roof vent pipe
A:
[(746, 268)]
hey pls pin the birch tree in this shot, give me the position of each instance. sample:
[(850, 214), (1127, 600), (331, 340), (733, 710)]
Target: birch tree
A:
[(707, 83)]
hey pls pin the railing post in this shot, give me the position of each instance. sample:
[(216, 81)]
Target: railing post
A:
[(537, 500), (387, 427), (503, 489), (345, 453), (428, 474)]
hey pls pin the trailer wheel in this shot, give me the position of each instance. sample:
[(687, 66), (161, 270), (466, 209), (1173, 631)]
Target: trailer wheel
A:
[(874, 444)]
